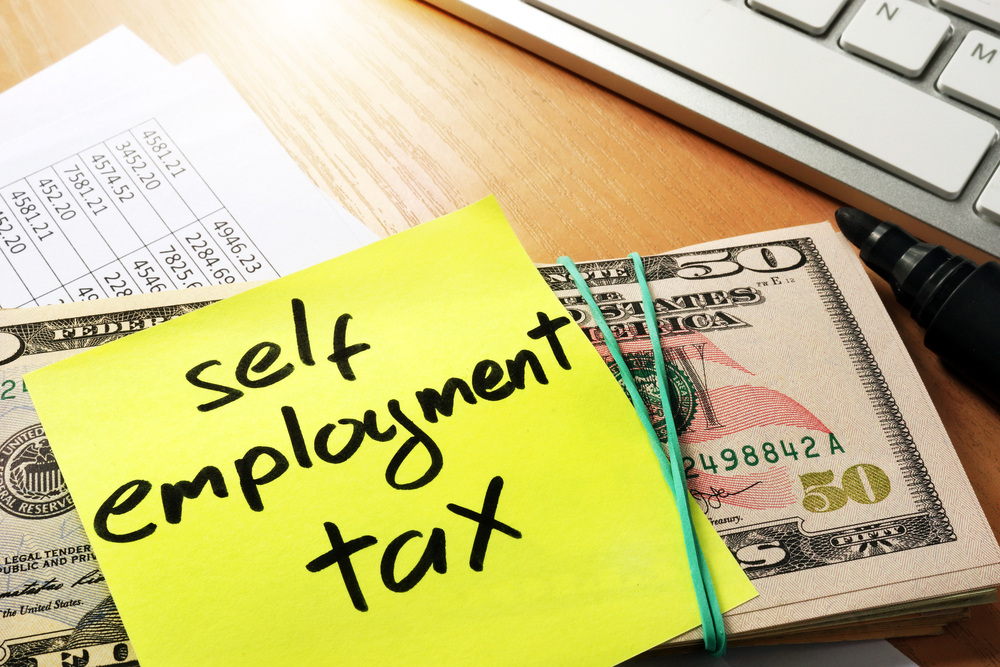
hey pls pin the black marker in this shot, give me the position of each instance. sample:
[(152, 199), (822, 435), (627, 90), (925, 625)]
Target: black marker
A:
[(957, 301)]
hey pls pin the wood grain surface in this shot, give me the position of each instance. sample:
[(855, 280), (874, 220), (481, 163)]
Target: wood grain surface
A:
[(404, 113)]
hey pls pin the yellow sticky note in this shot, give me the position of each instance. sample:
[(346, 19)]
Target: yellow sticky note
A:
[(407, 455)]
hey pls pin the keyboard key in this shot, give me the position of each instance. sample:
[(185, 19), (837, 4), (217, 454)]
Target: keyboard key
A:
[(916, 136), (897, 34), (812, 16), (986, 12), (973, 74), (988, 203)]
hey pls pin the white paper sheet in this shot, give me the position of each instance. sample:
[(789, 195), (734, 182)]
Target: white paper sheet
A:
[(105, 67), (172, 184)]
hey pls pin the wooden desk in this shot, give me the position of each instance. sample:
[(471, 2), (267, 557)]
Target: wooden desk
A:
[(404, 113)]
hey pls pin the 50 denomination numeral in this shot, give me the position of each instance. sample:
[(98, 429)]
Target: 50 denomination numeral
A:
[(864, 483), (762, 259)]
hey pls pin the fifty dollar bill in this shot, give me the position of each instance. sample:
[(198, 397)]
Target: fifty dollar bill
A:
[(809, 441), (55, 608), (808, 437)]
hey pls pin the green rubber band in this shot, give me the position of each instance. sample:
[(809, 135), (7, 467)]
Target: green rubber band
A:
[(708, 606), (702, 578)]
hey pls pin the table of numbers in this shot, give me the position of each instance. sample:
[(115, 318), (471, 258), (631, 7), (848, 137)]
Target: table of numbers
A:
[(130, 215)]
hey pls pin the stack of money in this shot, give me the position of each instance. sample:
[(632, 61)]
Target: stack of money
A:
[(56, 607), (808, 440)]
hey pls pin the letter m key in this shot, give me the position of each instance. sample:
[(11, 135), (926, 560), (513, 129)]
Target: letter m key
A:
[(981, 52)]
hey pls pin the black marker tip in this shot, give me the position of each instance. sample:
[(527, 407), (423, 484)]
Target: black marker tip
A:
[(856, 224)]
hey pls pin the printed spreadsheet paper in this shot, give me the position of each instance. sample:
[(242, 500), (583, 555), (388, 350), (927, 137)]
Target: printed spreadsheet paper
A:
[(108, 66), (174, 183), (348, 509)]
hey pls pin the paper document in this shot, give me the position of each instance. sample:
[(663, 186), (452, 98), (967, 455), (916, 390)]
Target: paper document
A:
[(173, 184), (105, 67), (108, 66)]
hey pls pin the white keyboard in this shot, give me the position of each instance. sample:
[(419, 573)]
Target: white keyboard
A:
[(889, 102)]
